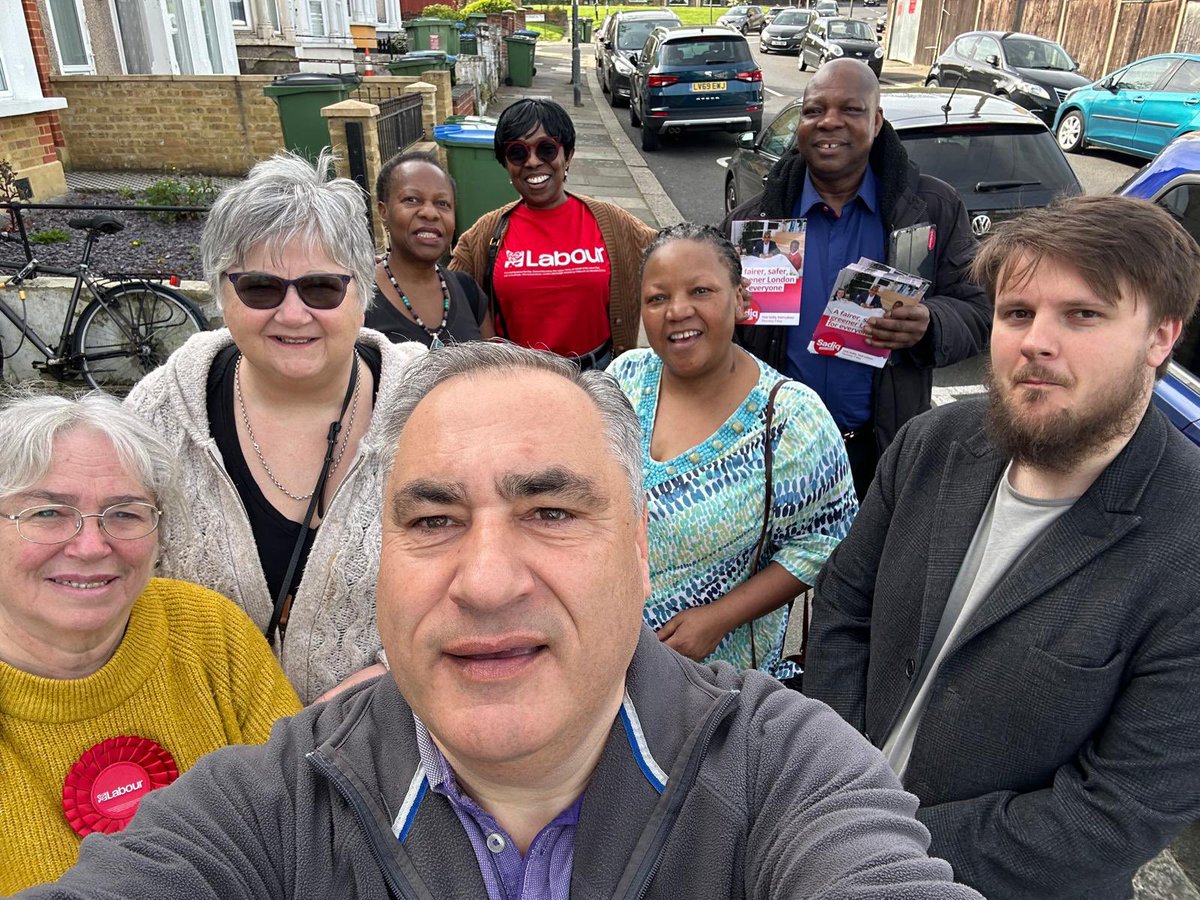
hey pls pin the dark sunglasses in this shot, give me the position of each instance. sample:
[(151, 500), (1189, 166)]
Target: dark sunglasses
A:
[(261, 290), (546, 149)]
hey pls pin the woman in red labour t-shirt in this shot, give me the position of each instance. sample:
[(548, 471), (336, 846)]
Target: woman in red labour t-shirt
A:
[(561, 270)]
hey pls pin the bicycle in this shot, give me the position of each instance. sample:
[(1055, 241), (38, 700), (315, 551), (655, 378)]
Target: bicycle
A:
[(129, 328)]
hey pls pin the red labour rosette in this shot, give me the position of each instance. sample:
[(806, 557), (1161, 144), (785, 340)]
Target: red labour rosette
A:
[(103, 789)]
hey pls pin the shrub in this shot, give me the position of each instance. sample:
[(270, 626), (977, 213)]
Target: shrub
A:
[(50, 236), (487, 6), (8, 192), (173, 192), (440, 11)]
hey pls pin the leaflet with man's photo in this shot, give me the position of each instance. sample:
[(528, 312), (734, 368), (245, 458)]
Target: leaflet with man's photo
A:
[(772, 253), (863, 290)]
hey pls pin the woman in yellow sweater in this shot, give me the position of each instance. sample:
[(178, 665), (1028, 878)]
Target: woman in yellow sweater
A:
[(111, 682)]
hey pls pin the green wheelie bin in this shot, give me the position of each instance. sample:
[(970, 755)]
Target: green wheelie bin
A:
[(520, 59), (421, 61), (483, 185), (300, 97), (585, 30), (469, 43), (428, 33)]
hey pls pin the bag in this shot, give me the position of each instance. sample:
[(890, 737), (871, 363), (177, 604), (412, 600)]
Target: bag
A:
[(768, 467)]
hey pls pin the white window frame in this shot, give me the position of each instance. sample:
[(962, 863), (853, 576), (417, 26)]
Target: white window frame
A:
[(24, 94), (337, 26), (246, 24), (90, 67), (5, 81)]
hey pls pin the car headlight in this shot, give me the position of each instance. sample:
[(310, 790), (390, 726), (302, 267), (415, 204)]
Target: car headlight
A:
[(1033, 90), (878, 52), (836, 50)]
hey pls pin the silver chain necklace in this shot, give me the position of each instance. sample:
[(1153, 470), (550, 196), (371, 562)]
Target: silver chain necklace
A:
[(237, 384)]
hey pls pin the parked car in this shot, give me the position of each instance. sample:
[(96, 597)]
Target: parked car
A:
[(1139, 108), (999, 156), (784, 34), (618, 45), (1031, 71), (744, 19), (695, 79), (1172, 180), (826, 9), (828, 39), (773, 12)]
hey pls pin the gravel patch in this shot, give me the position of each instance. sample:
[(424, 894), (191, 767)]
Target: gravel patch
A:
[(144, 246)]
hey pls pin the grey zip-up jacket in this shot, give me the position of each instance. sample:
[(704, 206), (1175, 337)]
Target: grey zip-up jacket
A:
[(331, 628), (767, 795)]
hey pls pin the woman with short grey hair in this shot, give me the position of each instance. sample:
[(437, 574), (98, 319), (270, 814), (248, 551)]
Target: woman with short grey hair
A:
[(111, 681), (275, 419)]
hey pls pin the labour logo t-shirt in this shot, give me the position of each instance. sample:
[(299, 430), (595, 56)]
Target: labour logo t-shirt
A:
[(551, 279)]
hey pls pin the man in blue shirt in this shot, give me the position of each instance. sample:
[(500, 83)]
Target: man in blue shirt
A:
[(849, 176)]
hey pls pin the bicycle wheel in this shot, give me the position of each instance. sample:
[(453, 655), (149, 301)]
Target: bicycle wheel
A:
[(131, 329)]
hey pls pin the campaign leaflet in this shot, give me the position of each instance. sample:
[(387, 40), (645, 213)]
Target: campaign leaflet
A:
[(863, 290), (772, 252)]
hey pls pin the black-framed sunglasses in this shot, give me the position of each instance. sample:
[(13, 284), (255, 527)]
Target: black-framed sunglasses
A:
[(262, 290), (518, 152)]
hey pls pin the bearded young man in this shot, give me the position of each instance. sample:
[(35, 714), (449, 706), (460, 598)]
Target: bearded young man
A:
[(1013, 618)]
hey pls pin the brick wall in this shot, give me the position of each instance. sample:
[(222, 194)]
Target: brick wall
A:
[(41, 58), (23, 141), (215, 124)]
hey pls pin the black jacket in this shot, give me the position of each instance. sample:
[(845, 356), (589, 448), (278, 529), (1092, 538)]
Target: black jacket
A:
[(960, 314)]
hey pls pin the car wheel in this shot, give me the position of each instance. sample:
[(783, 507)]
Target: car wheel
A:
[(650, 139), (634, 119), (803, 62), (933, 82), (744, 29), (1070, 132), (730, 194), (603, 83), (762, 48)]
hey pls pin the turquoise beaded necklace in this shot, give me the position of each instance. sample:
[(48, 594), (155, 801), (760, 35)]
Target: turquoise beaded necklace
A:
[(435, 339)]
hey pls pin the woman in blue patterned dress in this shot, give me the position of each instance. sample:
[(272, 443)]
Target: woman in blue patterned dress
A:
[(702, 401)]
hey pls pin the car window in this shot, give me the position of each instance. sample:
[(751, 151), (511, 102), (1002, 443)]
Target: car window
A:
[(987, 46), (778, 136), (964, 46), (817, 29), (964, 159), (632, 35), (705, 52), (851, 29), (1027, 53), (737, 11), (1183, 202), (1186, 79), (1144, 75), (793, 17)]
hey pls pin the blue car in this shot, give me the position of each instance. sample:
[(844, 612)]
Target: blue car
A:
[(1172, 180), (1138, 109)]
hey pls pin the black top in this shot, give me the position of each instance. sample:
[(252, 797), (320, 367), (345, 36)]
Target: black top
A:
[(468, 306), (275, 535)]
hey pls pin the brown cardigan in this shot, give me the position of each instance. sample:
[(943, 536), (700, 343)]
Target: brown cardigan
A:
[(625, 237)]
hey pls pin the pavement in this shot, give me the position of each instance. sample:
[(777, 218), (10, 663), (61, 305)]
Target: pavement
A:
[(609, 167)]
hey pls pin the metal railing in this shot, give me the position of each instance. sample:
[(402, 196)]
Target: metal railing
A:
[(399, 124)]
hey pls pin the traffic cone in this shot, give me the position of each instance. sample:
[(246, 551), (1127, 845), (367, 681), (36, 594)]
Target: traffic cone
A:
[(368, 66)]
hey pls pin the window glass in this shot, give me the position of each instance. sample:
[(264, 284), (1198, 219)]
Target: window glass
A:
[(964, 46), (779, 134), (68, 32), (1186, 79), (986, 47), (998, 154), (3, 78), (1027, 53), (849, 29), (179, 37), (1144, 75), (132, 33), (1183, 202), (632, 35), (212, 42), (793, 17), (705, 52), (316, 17), (237, 12)]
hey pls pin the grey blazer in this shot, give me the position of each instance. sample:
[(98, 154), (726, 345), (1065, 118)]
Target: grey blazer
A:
[(1060, 748)]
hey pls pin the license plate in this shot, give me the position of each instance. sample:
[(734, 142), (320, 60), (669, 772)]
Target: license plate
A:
[(701, 86)]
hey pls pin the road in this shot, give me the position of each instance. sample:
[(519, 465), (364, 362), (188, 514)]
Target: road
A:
[(691, 170)]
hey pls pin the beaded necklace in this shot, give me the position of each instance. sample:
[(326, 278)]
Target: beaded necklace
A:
[(435, 340)]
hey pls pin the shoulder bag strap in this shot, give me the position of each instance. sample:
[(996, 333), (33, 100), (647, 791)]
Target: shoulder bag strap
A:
[(768, 467), (493, 252)]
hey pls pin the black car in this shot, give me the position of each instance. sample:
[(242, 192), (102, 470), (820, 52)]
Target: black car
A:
[(1029, 70), (618, 44), (786, 30), (998, 156), (828, 39)]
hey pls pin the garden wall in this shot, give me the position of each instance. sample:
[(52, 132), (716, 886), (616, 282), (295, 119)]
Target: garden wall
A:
[(27, 142)]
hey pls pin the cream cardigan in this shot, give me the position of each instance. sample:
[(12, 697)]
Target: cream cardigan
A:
[(331, 626)]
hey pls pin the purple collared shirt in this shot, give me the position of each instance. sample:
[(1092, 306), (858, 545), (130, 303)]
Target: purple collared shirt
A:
[(544, 873)]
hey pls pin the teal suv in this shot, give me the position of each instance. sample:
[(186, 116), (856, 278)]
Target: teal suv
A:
[(695, 79)]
